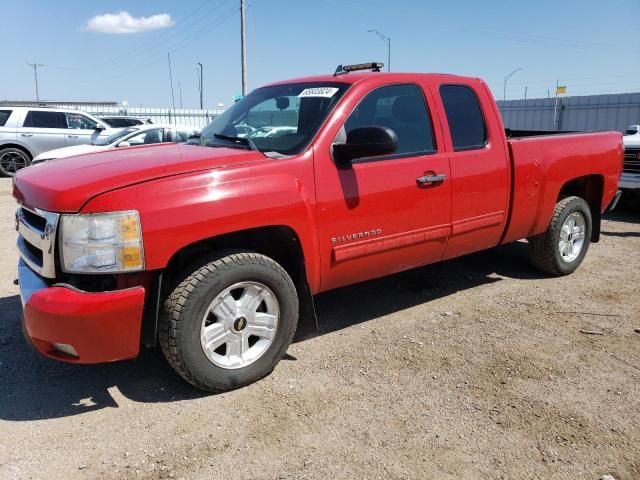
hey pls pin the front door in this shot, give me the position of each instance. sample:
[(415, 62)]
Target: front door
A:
[(384, 214), (82, 129)]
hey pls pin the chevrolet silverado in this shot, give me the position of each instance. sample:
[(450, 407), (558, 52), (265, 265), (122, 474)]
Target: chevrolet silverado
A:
[(214, 251)]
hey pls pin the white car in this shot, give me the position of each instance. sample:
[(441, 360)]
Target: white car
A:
[(272, 132), (127, 137)]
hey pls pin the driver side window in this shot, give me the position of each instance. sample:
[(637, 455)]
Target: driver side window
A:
[(401, 108), (80, 122)]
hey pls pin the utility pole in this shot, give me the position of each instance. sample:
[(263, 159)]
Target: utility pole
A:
[(504, 89), (173, 101), (199, 65), (180, 90), (243, 45), (525, 92), (386, 40), (555, 106), (35, 74)]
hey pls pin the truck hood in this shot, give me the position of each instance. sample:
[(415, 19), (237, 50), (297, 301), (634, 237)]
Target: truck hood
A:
[(67, 184)]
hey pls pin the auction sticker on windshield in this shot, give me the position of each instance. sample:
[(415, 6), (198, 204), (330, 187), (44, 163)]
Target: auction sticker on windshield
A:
[(326, 92)]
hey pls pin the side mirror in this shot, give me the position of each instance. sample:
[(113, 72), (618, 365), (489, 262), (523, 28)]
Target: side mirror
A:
[(364, 142), (124, 144), (99, 127)]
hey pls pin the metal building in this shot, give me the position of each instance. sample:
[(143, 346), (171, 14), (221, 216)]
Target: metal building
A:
[(593, 112)]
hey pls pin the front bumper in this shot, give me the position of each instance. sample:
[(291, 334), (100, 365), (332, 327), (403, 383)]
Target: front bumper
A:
[(630, 181), (99, 327)]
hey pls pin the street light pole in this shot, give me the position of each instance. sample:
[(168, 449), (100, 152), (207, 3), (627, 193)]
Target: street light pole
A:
[(504, 89), (386, 40), (201, 85), (243, 46), (35, 74)]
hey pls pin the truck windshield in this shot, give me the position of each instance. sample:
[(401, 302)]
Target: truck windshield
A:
[(277, 120)]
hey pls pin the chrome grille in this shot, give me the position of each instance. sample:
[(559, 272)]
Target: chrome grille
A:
[(632, 160), (37, 239)]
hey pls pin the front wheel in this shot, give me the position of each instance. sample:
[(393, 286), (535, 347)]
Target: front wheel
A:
[(561, 249), (229, 322)]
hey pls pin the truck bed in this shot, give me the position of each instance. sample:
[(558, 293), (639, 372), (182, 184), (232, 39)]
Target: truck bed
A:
[(539, 165)]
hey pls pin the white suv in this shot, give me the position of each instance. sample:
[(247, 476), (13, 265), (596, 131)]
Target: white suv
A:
[(26, 132)]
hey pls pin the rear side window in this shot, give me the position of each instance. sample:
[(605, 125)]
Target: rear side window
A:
[(122, 122), (148, 137), (464, 117), (401, 108), (4, 116), (39, 119)]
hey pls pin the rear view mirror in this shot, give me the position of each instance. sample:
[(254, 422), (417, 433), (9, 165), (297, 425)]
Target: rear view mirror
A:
[(364, 142), (124, 144)]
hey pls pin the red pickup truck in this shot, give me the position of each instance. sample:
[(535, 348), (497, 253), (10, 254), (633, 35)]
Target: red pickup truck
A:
[(214, 251)]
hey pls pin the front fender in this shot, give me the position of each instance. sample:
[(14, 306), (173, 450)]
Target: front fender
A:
[(180, 210)]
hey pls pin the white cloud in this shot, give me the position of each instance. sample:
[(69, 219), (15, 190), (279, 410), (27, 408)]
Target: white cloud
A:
[(123, 22)]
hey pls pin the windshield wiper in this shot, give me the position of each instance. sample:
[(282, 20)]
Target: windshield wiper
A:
[(242, 140)]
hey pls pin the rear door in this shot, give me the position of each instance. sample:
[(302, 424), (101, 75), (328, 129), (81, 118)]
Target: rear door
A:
[(81, 129), (479, 166), (43, 130), (376, 218)]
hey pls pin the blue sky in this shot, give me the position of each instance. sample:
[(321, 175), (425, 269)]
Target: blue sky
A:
[(591, 46)]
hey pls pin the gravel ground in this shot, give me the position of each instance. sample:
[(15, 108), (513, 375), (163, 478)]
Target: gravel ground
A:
[(473, 368)]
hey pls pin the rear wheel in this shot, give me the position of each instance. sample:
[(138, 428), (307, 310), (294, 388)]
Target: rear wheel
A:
[(12, 160), (561, 249), (230, 321)]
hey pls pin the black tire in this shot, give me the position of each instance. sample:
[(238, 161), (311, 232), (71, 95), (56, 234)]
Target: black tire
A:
[(13, 159), (544, 249), (184, 309)]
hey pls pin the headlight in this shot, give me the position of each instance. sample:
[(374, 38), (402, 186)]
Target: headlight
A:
[(101, 242)]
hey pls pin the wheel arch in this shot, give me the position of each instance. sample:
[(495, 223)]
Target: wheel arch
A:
[(18, 146), (591, 189), (278, 242)]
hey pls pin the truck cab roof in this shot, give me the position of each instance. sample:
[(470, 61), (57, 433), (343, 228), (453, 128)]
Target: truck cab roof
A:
[(379, 77)]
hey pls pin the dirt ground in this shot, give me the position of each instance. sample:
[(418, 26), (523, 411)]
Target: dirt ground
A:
[(473, 368)]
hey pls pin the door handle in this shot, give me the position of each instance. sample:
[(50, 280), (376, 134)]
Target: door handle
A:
[(27, 134), (431, 179), (73, 136)]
